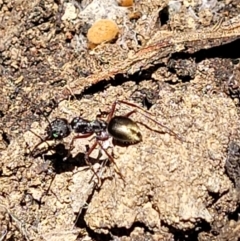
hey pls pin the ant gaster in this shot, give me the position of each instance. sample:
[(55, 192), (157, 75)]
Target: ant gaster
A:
[(120, 128)]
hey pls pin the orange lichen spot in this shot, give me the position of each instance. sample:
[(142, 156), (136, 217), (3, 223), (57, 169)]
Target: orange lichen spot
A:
[(68, 35), (103, 30), (125, 3), (134, 15)]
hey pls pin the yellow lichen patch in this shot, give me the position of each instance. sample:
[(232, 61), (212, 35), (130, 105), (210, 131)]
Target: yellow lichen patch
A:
[(126, 3), (103, 30)]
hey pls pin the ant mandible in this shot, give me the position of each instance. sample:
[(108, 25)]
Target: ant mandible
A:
[(120, 128)]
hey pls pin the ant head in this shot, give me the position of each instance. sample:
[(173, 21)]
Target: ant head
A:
[(58, 129)]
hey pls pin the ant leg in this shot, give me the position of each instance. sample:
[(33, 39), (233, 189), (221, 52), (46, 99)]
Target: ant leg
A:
[(42, 141), (126, 103), (134, 111), (132, 105), (110, 158), (78, 137), (130, 113), (123, 102), (112, 111), (88, 153), (102, 114), (71, 146), (86, 157), (156, 122), (163, 126)]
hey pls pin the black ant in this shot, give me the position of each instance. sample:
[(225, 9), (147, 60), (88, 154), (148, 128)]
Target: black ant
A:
[(121, 128)]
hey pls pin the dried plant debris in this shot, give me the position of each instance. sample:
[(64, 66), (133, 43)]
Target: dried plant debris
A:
[(233, 163)]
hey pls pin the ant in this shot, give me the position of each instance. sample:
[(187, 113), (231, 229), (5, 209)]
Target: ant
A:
[(121, 128)]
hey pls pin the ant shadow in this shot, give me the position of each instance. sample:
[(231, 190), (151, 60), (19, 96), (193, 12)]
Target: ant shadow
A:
[(62, 161)]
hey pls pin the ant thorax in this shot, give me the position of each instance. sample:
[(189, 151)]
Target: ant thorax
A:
[(80, 125), (83, 126), (98, 126)]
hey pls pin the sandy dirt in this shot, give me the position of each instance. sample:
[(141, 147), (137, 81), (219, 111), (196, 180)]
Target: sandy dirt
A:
[(181, 182)]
